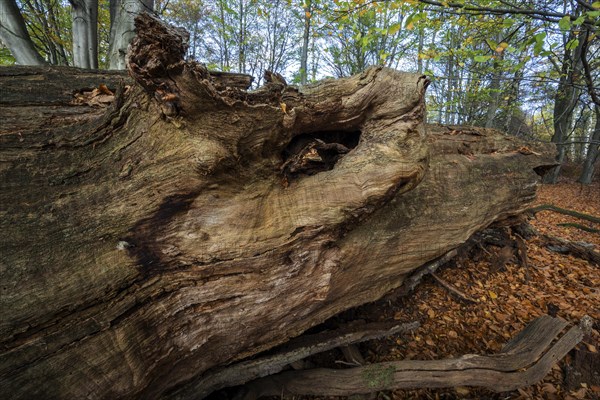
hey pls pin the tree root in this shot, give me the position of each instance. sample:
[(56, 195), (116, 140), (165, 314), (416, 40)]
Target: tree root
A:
[(578, 250), (572, 213), (579, 226)]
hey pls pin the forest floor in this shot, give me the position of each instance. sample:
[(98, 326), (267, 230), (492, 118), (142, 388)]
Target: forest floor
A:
[(505, 301)]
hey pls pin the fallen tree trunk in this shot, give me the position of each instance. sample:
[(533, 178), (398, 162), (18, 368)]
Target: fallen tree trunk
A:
[(192, 223)]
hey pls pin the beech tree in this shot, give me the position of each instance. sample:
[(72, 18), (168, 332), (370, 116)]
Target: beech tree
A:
[(593, 151), (122, 29), (14, 34), (85, 33)]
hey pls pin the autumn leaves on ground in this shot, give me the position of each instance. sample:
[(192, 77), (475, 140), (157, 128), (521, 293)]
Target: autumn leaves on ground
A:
[(504, 302)]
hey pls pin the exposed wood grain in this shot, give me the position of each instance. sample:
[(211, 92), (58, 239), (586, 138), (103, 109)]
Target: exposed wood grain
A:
[(295, 350), (150, 242), (501, 372)]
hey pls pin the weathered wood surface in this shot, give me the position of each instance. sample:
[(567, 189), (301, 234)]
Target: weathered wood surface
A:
[(146, 244), (295, 350), (519, 364)]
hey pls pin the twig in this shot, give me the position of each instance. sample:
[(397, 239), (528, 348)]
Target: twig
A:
[(352, 354), (522, 255), (413, 280), (453, 290)]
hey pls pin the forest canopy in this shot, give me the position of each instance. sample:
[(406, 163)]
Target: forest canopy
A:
[(530, 68)]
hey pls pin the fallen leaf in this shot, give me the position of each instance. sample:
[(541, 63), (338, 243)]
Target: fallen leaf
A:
[(462, 391), (549, 388), (493, 295), (105, 90), (591, 348), (579, 394)]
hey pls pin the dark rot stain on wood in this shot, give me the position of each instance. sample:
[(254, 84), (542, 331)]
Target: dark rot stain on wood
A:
[(142, 241)]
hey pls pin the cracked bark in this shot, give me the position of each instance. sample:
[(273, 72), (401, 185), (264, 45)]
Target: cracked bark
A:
[(147, 244)]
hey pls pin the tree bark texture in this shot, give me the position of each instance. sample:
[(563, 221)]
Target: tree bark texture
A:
[(593, 150), (13, 33), (565, 100), (85, 33), (122, 29), (194, 223)]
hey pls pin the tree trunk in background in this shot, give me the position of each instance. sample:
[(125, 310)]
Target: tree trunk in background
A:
[(565, 100), (305, 42), (195, 223), (223, 45), (61, 57), (85, 33), (513, 95), (13, 34), (593, 151), (495, 96), (420, 50), (242, 38), (495, 86), (122, 29)]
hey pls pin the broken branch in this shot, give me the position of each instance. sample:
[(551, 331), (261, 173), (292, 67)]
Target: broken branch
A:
[(572, 213), (295, 350), (578, 250), (502, 372)]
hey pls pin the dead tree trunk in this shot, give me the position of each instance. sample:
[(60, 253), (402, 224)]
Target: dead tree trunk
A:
[(193, 223)]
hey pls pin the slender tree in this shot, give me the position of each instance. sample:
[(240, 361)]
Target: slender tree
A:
[(307, 19), (593, 151), (13, 33)]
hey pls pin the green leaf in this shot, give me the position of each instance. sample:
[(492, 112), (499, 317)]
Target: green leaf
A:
[(491, 43), (565, 23), (572, 44), (579, 20), (481, 58), (596, 4), (539, 43), (594, 13), (394, 29), (508, 22), (364, 42)]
